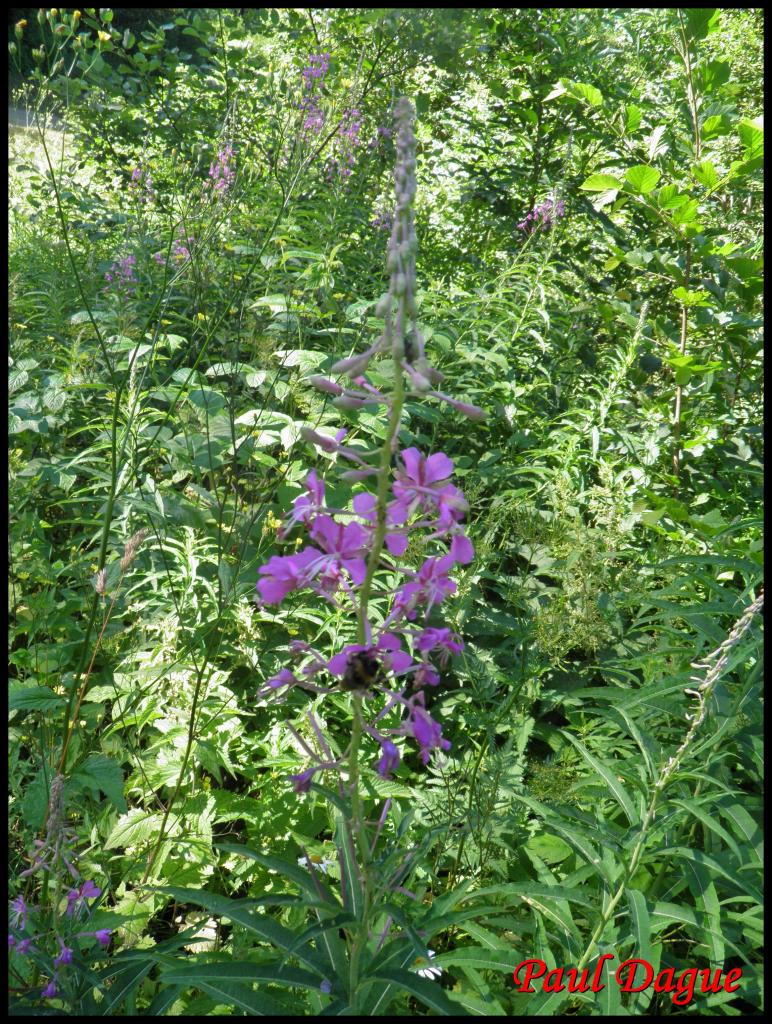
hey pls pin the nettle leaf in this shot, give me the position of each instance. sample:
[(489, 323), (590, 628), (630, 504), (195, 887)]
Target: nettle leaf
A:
[(133, 828), (99, 773), (642, 178), (601, 183), (35, 698), (17, 378)]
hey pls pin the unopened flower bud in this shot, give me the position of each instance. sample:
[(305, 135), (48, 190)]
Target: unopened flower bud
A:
[(325, 384), (19, 28), (345, 401)]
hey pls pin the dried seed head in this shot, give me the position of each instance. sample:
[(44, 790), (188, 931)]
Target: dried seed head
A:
[(100, 581), (130, 551)]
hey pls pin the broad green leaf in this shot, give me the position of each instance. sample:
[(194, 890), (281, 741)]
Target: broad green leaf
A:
[(752, 137), (134, 827), (701, 21), (100, 773), (706, 174), (642, 179), (600, 183), (586, 92), (632, 118)]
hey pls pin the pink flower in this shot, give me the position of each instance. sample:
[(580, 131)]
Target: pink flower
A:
[(425, 730), (305, 507), (423, 483), (430, 586), (443, 638), (284, 573), (396, 541), (388, 651), (344, 547)]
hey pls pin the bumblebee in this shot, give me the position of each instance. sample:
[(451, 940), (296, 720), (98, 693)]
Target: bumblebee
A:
[(362, 671)]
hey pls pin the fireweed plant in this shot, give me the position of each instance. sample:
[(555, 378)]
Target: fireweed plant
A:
[(400, 644)]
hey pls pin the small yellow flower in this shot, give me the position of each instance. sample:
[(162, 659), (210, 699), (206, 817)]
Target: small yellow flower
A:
[(201, 316), (104, 36)]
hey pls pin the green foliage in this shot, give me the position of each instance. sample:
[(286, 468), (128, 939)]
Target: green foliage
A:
[(615, 493)]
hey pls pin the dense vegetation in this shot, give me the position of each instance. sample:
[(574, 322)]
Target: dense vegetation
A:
[(557, 651)]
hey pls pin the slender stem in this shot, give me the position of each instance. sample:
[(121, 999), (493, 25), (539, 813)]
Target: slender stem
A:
[(682, 350)]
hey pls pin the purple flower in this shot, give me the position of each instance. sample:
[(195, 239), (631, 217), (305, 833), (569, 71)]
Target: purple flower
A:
[(542, 216), (443, 639), (50, 991), (388, 651), (103, 937), (284, 573), (325, 987), (430, 586), (76, 897), (389, 758), (304, 508), (283, 678), (425, 730), (20, 910), (302, 783), (221, 171), (423, 482), (141, 185), (23, 946), (122, 275), (11, 941), (65, 954), (344, 547)]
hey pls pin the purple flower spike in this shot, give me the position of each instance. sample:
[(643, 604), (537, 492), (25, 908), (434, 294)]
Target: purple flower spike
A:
[(50, 991)]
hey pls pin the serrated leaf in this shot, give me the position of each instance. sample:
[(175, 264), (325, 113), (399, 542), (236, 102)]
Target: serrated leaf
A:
[(35, 698), (706, 174), (642, 178), (136, 826), (100, 773)]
